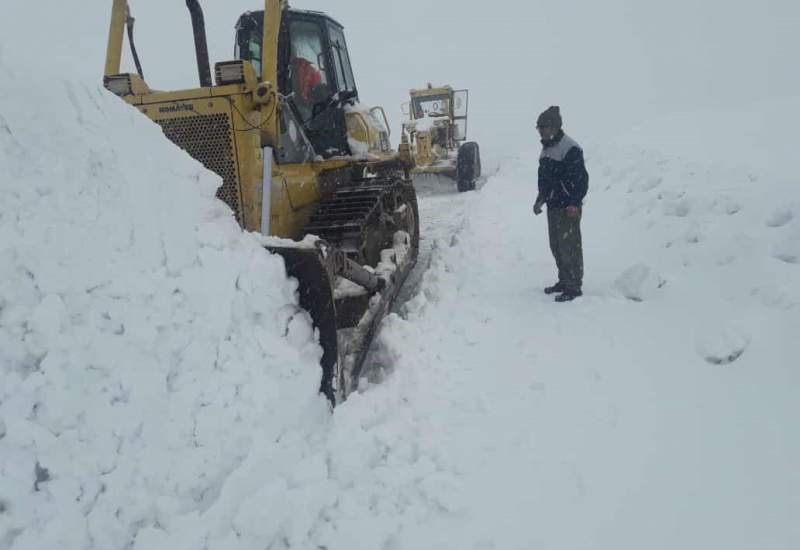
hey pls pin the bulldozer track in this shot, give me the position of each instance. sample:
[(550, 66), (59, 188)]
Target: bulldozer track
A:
[(361, 219), (358, 217), (350, 208)]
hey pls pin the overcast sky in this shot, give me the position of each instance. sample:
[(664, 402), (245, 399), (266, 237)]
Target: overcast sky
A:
[(610, 64)]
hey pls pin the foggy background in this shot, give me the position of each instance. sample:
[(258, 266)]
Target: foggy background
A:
[(610, 65)]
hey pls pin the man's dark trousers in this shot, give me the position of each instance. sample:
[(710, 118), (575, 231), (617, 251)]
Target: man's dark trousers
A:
[(567, 246)]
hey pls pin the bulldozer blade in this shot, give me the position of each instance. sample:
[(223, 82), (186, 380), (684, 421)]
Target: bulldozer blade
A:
[(355, 343), (348, 300), (315, 292), (344, 344)]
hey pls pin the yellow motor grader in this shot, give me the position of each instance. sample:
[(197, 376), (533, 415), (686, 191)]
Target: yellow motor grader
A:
[(301, 162), (436, 133)]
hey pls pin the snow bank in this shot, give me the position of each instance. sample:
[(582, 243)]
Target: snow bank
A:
[(151, 354), (755, 139)]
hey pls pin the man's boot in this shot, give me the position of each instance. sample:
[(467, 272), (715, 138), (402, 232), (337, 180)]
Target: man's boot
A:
[(568, 295), (558, 287)]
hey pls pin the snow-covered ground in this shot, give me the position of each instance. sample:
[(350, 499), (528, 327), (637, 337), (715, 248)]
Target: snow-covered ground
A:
[(657, 412), (158, 384)]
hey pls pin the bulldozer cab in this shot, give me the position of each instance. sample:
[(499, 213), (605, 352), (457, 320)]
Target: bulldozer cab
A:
[(314, 73)]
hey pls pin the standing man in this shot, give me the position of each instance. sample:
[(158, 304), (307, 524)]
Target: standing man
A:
[(563, 183)]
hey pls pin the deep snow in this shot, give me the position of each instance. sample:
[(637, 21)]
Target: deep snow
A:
[(659, 411), (148, 348), (158, 384)]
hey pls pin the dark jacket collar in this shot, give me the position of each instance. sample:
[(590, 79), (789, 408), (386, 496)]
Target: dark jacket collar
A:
[(556, 139)]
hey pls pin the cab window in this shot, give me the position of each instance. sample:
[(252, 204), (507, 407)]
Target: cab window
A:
[(431, 106), (308, 73), (341, 61), (248, 40)]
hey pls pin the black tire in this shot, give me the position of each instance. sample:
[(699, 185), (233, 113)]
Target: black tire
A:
[(410, 197), (468, 166)]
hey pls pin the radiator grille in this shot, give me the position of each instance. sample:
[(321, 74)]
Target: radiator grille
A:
[(207, 138)]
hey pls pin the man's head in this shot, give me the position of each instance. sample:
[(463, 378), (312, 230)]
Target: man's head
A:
[(549, 123)]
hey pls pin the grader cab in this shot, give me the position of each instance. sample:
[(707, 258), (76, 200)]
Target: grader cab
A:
[(300, 160), (436, 133)]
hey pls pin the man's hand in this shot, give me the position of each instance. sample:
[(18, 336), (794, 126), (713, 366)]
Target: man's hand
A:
[(537, 208), (573, 211)]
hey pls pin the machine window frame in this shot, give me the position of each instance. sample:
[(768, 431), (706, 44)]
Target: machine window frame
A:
[(346, 81), (322, 64), (416, 105), (248, 33)]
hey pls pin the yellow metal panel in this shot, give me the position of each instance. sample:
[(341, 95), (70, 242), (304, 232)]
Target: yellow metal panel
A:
[(296, 192), (358, 129), (365, 128), (273, 11), (295, 195), (267, 91), (180, 95), (119, 14), (215, 134), (249, 159), (424, 153)]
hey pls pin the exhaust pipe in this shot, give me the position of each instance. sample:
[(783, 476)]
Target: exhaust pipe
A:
[(200, 42)]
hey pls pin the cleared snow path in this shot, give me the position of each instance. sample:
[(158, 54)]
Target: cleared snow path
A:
[(441, 212), (656, 412)]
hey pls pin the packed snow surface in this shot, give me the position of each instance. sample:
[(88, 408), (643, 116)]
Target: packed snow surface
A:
[(158, 383)]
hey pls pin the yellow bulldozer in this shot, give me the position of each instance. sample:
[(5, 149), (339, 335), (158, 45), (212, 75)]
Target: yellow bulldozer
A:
[(436, 133), (302, 162)]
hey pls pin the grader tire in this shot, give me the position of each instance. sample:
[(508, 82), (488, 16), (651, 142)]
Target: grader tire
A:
[(468, 166)]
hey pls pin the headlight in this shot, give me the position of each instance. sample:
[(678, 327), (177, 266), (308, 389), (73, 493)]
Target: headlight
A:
[(229, 72)]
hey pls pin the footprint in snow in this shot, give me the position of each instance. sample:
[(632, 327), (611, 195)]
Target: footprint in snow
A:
[(638, 283), (788, 248), (678, 209), (777, 297), (780, 217), (722, 346), (646, 184), (726, 206), (788, 258)]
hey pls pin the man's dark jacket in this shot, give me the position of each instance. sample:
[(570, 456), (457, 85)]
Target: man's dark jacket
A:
[(563, 179)]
